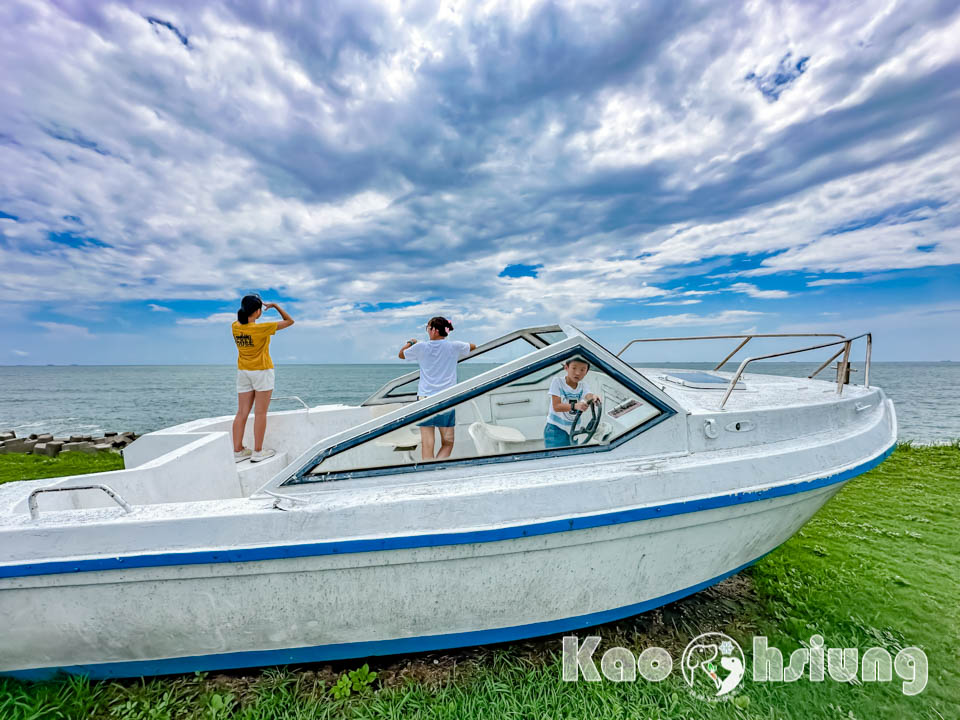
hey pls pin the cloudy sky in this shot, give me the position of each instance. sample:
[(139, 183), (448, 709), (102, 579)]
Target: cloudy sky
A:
[(638, 169)]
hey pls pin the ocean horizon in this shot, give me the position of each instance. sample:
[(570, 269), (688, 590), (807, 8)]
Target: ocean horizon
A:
[(91, 399)]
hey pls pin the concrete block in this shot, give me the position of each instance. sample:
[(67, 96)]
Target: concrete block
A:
[(76, 438), (33, 436), (102, 447), (50, 449), (44, 437), (7, 435), (86, 447), (109, 434), (19, 445)]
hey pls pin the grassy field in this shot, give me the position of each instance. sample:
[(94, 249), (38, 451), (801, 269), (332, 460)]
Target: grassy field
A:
[(878, 566), (32, 467)]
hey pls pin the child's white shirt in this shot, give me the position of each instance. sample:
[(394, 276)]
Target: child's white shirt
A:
[(567, 394)]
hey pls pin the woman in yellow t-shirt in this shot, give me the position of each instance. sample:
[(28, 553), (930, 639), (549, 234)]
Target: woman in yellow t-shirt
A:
[(254, 374)]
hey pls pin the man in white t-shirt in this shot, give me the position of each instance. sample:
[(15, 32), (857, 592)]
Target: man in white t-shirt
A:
[(438, 371)]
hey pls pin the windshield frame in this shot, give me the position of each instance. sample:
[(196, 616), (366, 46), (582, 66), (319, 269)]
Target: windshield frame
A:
[(384, 395), (627, 375)]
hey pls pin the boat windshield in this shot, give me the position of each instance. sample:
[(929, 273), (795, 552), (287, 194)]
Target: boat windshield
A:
[(486, 357), (566, 402)]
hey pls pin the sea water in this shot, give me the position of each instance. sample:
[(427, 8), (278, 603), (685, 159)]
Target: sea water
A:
[(92, 399)]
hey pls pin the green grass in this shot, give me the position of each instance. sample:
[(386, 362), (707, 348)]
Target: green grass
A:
[(32, 467), (877, 566)]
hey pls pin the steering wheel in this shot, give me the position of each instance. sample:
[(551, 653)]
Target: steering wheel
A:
[(585, 433)]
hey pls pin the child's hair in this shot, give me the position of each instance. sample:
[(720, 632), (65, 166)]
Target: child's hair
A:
[(248, 306), (441, 325), (567, 362)]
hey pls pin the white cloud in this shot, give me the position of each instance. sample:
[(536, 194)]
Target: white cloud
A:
[(20, 353), (65, 329), (690, 301), (834, 281), (157, 308), (215, 319), (755, 292), (726, 317)]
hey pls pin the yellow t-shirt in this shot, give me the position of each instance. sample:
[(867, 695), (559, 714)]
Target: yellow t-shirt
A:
[(253, 345)]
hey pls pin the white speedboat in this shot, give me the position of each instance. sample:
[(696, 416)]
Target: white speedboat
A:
[(347, 544)]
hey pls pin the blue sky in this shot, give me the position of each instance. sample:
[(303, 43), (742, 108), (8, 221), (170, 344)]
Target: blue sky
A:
[(640, 171)]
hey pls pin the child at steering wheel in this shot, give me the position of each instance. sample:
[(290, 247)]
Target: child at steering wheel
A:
[(569, 394)]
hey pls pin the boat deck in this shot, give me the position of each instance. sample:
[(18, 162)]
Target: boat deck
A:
[(755, 391)]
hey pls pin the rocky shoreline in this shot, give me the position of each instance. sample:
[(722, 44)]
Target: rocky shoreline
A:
[(50, 446)]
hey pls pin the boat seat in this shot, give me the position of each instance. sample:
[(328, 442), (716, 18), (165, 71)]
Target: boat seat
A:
[(493, 439), (404, 440)]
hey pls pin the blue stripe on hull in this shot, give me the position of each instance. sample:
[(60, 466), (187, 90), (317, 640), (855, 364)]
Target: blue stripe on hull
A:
[(278, 552), (343, 651)]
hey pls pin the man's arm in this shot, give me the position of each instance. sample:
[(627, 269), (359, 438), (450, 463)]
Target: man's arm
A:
[(409, 344)]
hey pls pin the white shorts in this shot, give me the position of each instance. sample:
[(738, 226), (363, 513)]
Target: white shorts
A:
[(260, 380)]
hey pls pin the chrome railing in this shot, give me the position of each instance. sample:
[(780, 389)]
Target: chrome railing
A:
[(35, 509), (290, 397), (844, 365)]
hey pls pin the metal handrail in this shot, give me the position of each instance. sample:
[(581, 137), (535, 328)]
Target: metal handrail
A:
[(841, 372), (35, 510), (290, 397), (746, 338)]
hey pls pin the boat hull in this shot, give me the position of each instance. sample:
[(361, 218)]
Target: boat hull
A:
[(174, 618)]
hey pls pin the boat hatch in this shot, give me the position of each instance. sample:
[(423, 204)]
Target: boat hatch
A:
[(699, 380), (498, 416), (495, 352)]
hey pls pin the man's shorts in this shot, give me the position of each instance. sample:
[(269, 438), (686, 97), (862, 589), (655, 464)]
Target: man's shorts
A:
[(443, 420), (259, 380)]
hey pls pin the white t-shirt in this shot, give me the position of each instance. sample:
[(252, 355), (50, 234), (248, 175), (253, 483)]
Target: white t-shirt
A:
[(438, 363), (559, 387)]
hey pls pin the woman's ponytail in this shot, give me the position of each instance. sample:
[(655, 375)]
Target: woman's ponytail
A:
[(248, 306)]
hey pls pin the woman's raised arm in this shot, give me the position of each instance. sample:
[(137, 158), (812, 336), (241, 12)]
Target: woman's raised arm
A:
[(287, 320)]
